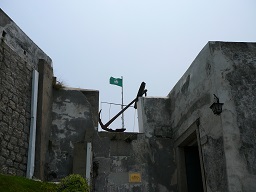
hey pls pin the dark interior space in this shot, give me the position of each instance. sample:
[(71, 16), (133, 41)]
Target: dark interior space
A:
[(193, 169)]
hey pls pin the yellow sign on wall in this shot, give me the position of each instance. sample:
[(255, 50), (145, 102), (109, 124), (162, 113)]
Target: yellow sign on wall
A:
[(134, 177)]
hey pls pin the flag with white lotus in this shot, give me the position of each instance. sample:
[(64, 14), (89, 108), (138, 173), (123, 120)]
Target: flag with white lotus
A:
[(116, 81)]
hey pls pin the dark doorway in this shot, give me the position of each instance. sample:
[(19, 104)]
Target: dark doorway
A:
[(193, 169)]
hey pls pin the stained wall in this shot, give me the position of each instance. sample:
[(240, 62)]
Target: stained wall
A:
[(118, 156), (226, 142), (72, 127)]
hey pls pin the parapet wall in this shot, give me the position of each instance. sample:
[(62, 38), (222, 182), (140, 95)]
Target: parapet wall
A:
[(118, 158)]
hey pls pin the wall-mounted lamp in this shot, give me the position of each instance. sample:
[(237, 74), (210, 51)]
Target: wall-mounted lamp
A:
[(216, 107)]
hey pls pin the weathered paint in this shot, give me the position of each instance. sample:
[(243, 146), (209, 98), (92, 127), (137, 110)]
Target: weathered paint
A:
[(190, 100), (126, 153), (71, 121), (227, 141), (154, 116)]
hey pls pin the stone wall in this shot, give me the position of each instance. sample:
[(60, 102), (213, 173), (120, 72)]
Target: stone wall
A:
[(19, 56), (15, 95)]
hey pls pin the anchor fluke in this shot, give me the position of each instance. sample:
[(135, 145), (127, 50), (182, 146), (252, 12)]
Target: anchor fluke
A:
[(104, 127)]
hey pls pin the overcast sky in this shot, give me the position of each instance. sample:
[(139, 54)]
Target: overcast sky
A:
[(142, 40)]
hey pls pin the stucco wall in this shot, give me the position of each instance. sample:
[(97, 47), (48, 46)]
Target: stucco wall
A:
[(190, 100), (238, 119), (227, 70), (227, 142), (116, 155), (154, 116), (72, 121)]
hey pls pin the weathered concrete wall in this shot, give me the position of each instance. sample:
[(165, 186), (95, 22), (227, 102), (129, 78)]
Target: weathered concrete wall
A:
[(44, 121), (239, 83), (72, 119), (190, 100), (154, 116), (227, 70), (116, 155), (93, 98)]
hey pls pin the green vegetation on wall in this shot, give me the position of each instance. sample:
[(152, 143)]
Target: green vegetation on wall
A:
[(71, 183)]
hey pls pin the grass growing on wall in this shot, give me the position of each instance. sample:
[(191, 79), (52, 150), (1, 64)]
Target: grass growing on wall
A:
[(71, 183), (21, 184)]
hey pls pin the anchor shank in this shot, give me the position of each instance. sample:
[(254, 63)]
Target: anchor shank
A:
[(113, 119)]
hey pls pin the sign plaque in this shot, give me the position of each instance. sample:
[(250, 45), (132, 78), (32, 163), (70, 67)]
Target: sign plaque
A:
[(134, 177)]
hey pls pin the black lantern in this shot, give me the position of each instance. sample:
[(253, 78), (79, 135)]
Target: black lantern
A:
[(216, 107)]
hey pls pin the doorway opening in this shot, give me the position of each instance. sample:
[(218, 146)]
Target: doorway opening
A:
[(193, 169), (189, 161)]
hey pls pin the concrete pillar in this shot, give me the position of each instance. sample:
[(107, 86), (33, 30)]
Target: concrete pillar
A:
[(44, 110), (88, 162), (79, 158)]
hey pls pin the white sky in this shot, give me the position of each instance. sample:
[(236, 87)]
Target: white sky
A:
[(142, 40)]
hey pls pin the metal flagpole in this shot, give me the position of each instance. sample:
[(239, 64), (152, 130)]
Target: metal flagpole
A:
[(122, 106)]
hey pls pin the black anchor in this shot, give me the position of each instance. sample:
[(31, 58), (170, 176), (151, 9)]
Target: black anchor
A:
[(141, 92)]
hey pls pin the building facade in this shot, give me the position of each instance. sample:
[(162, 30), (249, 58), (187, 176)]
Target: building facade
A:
[(48, 131)]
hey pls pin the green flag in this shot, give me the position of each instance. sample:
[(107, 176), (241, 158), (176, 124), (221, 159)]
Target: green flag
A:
[(116, 81)]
